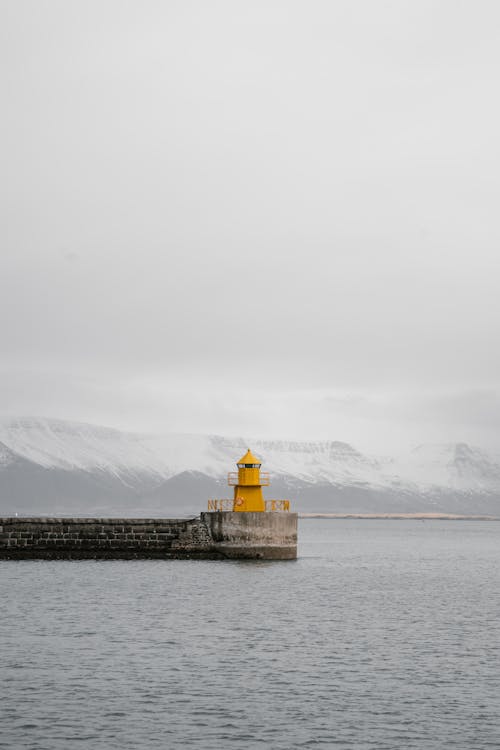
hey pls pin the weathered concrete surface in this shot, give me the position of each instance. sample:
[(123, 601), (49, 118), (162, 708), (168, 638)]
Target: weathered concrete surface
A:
[(212, 536), (266, 536)]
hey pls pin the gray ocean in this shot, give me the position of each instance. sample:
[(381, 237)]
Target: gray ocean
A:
[(383, 634)]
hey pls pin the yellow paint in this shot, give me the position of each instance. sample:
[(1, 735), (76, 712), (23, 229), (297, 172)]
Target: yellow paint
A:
[(249, 458), (277, 505), (272, 506), (248, 482), (248, 495)]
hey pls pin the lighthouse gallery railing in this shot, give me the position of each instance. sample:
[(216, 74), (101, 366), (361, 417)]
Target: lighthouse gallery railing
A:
[(232, 478), (272, 506)]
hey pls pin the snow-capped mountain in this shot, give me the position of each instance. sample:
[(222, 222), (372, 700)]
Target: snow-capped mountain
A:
[(456, 466), (54, 466), (69, 446)]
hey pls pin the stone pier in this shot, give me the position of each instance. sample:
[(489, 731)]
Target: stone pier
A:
[(218, 535)]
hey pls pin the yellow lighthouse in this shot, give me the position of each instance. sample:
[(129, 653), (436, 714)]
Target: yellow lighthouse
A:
[(248, 526), (248, 483)]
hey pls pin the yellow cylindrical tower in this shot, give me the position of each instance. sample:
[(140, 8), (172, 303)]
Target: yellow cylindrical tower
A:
[(248, 484)]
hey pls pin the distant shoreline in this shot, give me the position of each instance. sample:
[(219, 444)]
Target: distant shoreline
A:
[(403, 516)]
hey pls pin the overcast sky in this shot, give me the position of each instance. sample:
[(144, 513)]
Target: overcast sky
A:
[(275, 218)]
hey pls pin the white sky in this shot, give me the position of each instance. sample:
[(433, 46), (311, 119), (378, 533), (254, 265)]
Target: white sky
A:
[(273, 218)]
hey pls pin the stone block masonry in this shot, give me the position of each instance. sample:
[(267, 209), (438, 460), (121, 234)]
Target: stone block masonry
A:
[(212, 536), (113, 538)]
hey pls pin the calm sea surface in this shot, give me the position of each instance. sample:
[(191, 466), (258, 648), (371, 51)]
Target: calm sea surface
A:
[(384, 634)]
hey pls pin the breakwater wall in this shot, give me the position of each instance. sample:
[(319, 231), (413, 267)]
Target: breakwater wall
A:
[(218, 535)]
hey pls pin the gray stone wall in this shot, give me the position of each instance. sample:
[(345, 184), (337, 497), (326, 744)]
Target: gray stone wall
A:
[(73, 538), (214, 536)]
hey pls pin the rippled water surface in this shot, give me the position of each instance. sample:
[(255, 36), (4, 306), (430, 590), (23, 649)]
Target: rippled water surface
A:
[(383, 634)]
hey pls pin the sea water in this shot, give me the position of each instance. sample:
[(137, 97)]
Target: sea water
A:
[(383, 634)]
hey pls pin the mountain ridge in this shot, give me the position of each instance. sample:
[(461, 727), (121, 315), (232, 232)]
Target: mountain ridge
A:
[(53, 465)]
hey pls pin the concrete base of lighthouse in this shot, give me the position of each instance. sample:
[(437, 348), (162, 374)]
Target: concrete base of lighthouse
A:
[(253, 536)]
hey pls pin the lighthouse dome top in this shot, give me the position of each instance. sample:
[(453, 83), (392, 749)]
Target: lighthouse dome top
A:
[(249, 461)]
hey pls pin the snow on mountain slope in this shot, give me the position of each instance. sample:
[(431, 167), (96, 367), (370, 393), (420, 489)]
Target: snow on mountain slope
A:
[(6, 456), (53, 443), (456, 466), (65, 445), (69, 446), (325, 462)]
